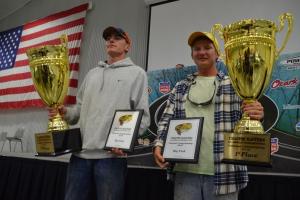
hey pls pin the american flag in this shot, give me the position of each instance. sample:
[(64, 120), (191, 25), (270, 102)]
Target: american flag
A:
[(16, 86)]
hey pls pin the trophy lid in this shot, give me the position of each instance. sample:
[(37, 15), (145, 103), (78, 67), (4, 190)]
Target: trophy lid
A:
[(250, 27), (48, 51)]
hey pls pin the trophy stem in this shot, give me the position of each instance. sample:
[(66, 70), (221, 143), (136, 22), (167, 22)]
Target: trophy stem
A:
[(247, 125), (57, 123), (248, 101)]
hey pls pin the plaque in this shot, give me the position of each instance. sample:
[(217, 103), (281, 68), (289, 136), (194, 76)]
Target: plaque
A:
[(124, 129), (183, 140)]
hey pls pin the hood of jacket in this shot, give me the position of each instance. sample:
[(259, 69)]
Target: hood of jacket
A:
[(121, 63)]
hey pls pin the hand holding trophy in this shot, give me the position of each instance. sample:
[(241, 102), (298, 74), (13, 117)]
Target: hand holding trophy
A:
[(49, 68), (250, 50)]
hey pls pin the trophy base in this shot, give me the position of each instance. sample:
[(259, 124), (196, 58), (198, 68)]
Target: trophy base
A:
[(58, 142), (247, 149), (248, 163)]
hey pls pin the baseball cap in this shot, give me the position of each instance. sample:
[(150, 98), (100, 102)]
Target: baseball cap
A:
[(208, 35), (117, 31)]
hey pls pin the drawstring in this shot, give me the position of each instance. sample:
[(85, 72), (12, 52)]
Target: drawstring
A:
[(102, 83)]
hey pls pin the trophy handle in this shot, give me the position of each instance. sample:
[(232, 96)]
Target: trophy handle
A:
[(219, 29), (64, 40), (64, 43), (290, 20)]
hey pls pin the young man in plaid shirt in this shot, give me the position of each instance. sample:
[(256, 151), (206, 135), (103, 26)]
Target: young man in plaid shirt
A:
[(207, 94)]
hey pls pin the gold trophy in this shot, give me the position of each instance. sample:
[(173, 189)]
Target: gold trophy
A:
[(49, 68), (250, 50)]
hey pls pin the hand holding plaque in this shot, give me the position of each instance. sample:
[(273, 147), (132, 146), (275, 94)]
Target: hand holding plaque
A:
[(250, 49)]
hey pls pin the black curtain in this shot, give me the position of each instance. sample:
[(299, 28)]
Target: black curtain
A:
[(148, 184), (32, 179), (271, 188)]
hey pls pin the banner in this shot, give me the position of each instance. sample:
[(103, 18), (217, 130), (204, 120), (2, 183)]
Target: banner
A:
[(16, 86), (281, 103)]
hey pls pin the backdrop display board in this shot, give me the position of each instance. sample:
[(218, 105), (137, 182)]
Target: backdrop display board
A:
[(281, 102), (168, 46)]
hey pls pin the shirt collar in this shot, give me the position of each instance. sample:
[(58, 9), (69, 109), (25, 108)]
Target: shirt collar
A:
[(191, 77)]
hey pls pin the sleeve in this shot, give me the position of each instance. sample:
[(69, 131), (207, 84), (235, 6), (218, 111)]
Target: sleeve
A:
[(139, 99), (73, 112), (164, 120)]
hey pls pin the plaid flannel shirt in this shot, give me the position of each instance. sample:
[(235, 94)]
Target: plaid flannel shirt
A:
[(228, 178)]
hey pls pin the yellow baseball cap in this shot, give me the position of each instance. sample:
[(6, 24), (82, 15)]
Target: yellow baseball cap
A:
[(208, 35)]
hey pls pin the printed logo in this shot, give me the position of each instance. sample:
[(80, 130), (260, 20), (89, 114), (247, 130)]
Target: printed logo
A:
[(288, 84), (290, 107), (298, 126), (149, 89), (125, 119), (164, 87), (291, 61), (181, 128), (274, 145)]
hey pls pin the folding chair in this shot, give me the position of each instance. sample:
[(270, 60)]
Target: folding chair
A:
[(18, 137), (3, 139)]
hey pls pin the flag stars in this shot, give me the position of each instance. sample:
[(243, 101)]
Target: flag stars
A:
[(9, 41)]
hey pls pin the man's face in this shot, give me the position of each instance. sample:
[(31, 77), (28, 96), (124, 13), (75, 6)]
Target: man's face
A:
[(116, 45), (204, 53)]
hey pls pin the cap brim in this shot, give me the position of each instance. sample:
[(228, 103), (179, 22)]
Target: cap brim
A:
[(195, 35), (109, 31), (116, 31), (207, 35)]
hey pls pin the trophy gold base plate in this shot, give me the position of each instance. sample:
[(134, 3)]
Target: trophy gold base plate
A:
[(58, 142), (247, 149)]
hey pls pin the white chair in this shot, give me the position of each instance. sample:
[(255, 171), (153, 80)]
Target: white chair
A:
[(3, 139), (18, 137)]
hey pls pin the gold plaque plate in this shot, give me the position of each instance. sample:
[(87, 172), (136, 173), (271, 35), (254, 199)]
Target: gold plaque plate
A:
[(44, 143), (247, 149)]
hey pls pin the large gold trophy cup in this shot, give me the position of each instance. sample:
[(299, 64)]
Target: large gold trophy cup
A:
[(49, 68), (250, 50)]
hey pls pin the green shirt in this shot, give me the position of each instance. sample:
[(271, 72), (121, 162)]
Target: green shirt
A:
[(202, 91)]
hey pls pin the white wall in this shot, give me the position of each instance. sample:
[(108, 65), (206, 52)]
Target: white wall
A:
[(172, 23), (131, 15)]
